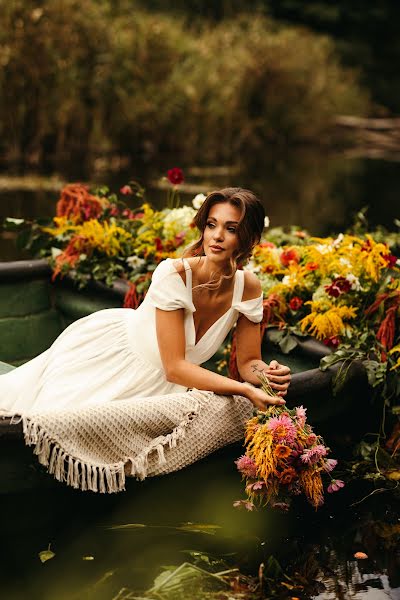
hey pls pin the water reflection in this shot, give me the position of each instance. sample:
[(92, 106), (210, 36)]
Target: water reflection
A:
[(314, 189), (314, 550)]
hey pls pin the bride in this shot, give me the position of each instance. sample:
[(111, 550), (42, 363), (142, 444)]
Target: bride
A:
[(191, 305)]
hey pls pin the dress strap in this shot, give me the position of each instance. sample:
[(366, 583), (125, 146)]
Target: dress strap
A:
[(188, 274), (238, 287)]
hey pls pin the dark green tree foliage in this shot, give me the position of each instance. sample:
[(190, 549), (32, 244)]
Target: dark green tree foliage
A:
[(83, 79)]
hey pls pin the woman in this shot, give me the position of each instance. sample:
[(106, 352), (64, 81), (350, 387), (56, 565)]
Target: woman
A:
[(191, 305)]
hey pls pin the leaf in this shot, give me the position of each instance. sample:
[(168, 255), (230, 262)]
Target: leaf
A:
[(128, 526), (46, 555), (88, 557), (272, 568), (393, 475), (199, 528), (11, 222), (288, 343)]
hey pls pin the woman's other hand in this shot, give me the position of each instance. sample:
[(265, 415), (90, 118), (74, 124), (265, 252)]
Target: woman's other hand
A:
[(279, 377), (260, 399)]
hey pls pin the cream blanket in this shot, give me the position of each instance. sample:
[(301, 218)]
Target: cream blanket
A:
[(95, 447)]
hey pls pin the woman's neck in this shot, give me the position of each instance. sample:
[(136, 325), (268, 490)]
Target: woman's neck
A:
[(208, 271)]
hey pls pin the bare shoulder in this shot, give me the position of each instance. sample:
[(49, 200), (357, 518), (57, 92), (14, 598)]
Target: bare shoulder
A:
[(252, 286)]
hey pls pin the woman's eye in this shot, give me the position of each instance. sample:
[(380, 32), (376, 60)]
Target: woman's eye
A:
[(210, 225), (232, 229)]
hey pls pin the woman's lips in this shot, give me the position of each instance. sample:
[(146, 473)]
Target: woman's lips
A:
[(216, 248)]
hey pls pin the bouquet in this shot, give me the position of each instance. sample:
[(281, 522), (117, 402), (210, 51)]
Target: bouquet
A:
[(283, 458)]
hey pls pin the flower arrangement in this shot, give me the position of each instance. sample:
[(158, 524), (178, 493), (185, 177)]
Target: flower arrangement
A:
[(283, 458), (343, 290)]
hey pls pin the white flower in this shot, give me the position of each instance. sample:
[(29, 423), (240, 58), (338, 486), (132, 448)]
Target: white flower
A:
[(135, 262), (338, 240), (178, 220), (323, 248), (345, 262), (55, 252), (266, 222), (251, 266), (286, 280), (198, 201), (354, 282)]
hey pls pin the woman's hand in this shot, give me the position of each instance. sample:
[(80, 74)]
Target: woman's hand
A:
[(260, 399), (279, 377)]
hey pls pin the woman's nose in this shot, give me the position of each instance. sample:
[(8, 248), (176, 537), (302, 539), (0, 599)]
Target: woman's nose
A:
[(218, 233)]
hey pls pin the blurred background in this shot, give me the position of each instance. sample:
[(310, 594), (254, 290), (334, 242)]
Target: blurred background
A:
[(296, 100)]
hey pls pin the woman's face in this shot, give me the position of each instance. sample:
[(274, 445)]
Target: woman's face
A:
[(220, 238)]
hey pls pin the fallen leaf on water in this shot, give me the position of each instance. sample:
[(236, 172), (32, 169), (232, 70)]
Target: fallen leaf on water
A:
[(393, 475), (46, 555), (87, 557), (360, 555)]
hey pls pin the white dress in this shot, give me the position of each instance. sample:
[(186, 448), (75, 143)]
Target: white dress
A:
[(113, 354)]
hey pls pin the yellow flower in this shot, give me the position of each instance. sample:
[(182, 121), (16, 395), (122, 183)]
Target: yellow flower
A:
[(392, 351), (328, 323), (106, 237), (62, 226)]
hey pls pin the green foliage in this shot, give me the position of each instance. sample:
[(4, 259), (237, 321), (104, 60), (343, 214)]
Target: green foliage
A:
[(81, 80)]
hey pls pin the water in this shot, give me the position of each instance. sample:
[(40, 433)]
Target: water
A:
[(103, 544), (319, 191)]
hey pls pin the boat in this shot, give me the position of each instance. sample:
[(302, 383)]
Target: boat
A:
[(34, 311)]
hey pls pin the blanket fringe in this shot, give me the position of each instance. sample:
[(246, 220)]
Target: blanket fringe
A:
[(103, 478), (70, 470)]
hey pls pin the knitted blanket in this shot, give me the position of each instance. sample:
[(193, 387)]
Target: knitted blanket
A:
[(96, 447)]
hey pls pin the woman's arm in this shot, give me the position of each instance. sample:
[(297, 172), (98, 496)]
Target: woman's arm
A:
[(172, 343), (248, 341), (249, 360)]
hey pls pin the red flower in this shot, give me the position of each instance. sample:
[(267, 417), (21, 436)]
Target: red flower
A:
[(312, 266), (267, 245), (175, 176), (332, 342), (339, 286), (159, 245), (126, 189), (295, 303), (289, 256), (391, 260), (114, 212), (128, 213)]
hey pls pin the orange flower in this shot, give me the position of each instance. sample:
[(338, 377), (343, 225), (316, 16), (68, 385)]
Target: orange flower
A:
[(312, 266), (290, 256), (282, 451), (287, 475)]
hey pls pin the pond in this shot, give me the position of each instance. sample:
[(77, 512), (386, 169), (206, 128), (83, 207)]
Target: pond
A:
[(316, 190), (108, 547)]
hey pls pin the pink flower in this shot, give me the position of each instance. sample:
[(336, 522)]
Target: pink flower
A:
[(329, 464), (335, 485), (301, 415), (281, 506), (114, 212), (283, 429), (311, 439), (126, 190), (246, 466), (311, 456), (244, 504)]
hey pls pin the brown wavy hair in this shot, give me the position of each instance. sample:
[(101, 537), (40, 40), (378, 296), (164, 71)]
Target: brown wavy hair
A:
[(249, 229)]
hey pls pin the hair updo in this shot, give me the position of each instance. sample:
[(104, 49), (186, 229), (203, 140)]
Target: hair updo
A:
[(249, 228)]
